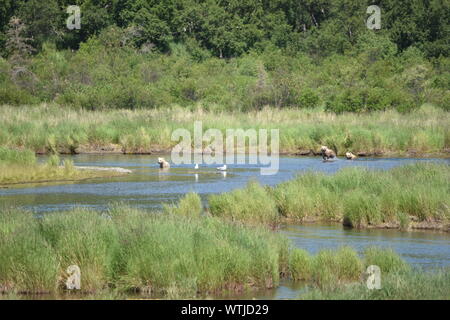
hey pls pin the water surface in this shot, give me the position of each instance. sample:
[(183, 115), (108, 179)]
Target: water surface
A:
[(149, 187)]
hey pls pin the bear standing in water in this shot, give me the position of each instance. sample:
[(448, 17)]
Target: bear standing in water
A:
[(350, 156), (327, 154), (163, 163)]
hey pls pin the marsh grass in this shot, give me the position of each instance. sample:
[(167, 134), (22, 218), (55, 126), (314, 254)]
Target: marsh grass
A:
[(128, 249), (251, 204), (19, 166), (190, 206), (50, 128), (28, 263), (386, 259), (301, 265), (14, 156), (358, 197), (411, 285), (86, 239), (331, 268)]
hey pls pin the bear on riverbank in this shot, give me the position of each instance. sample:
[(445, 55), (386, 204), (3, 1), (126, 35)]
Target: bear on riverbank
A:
[(163, 163)]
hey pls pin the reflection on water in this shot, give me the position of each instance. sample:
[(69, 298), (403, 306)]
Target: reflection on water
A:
[(150, 187)]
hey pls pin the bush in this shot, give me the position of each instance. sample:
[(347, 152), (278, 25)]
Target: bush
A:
[(308, 99)]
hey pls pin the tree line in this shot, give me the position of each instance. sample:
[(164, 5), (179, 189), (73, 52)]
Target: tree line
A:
[(229, 28), (226, 54)]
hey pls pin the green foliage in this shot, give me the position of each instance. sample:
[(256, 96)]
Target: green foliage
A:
[(21, 157), (28, 262), (332, 268), (300, 265), (228, 29), (85, 239), (251, 204), (358, 197), (386, 259), (290, 54), (53, 160), (189, 206), (414, 285), (125, 249)]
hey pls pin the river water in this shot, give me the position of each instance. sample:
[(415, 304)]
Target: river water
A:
[(149, 187)]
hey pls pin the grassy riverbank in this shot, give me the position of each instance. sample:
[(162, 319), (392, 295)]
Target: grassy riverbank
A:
[(20, 166), (51, 128), (127, 249), (412, 196), (163, 254), (413, 285)]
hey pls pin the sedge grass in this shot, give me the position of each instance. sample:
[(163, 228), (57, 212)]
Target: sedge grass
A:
[(128, 249), (411, 285), (50, 128), (19, 167), (402, 197), (173, 256)]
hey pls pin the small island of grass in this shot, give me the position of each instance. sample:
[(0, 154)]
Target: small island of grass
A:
[(21, 167)]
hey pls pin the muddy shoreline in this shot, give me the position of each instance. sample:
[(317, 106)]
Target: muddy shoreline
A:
[(416, 226), (118, 149)]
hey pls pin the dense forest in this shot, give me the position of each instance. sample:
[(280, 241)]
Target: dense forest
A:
[(226, 54)]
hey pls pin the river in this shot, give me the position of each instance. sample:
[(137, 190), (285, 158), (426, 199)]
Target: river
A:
[(149, 187)]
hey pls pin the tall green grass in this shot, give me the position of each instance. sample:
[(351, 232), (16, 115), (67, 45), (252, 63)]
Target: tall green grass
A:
[(411, 285), (170, 255), (163, 253), (386, 259), (332, 268), (358, 197), (50, 128), (128, 249), (28, 262), (251, 204), (86, 239), (190, 206), (20, 157), (19, 166)]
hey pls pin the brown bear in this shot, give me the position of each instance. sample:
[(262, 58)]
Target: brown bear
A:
[(327, 154), (350, 156), (163, 163)]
